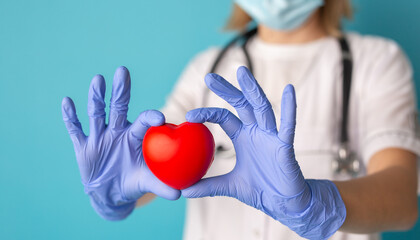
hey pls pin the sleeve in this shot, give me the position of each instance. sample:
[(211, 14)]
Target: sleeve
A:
[(389, 112), (190, 89)]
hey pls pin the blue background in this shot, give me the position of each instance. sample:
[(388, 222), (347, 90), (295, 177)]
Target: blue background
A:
[(51, 49)]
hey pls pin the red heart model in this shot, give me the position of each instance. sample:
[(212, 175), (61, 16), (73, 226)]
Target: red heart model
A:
[(179, 155)]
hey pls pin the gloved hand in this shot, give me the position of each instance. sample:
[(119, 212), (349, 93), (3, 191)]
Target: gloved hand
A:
[(266, 175), (110, 160)]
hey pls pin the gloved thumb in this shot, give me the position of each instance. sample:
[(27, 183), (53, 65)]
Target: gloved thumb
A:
[(209, 187), (152, 184), (143, 181), (162, 190)]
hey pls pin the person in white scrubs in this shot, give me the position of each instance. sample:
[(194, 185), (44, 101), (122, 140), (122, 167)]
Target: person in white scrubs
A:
[(382, 127), (296, 43)]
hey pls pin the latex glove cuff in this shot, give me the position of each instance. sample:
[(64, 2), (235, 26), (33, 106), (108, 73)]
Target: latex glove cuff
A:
[(325, 214), (114, 208)]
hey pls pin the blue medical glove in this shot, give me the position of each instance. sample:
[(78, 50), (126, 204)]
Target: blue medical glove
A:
[(266, 175), (110, 160)]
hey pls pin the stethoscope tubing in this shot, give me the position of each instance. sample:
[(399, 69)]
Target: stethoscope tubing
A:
[(347, 63)]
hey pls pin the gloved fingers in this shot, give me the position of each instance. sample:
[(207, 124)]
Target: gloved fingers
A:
[(288, 115), (96, 106), (72, 122), (227, 120), (144, 121), (231, 95), (256, 97), (120, 98), (209, 187)]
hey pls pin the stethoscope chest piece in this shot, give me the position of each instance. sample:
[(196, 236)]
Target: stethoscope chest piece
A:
[(346, 162)]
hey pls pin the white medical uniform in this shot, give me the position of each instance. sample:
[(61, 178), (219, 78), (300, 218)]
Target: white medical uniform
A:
[(382, 115)]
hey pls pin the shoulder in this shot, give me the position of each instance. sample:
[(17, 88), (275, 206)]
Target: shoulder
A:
[(377, 58), (203, 61), (375, 49), (371, 41)]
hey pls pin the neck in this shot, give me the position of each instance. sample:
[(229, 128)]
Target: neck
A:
[(311, 30)]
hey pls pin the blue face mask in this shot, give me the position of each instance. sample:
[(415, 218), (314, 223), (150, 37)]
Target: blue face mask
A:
[(280, 14)]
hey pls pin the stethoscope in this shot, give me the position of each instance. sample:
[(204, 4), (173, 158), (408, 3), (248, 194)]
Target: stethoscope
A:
[(345, 162)]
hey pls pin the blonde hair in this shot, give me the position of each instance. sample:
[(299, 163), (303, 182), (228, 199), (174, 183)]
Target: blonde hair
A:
[(331, 14)]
